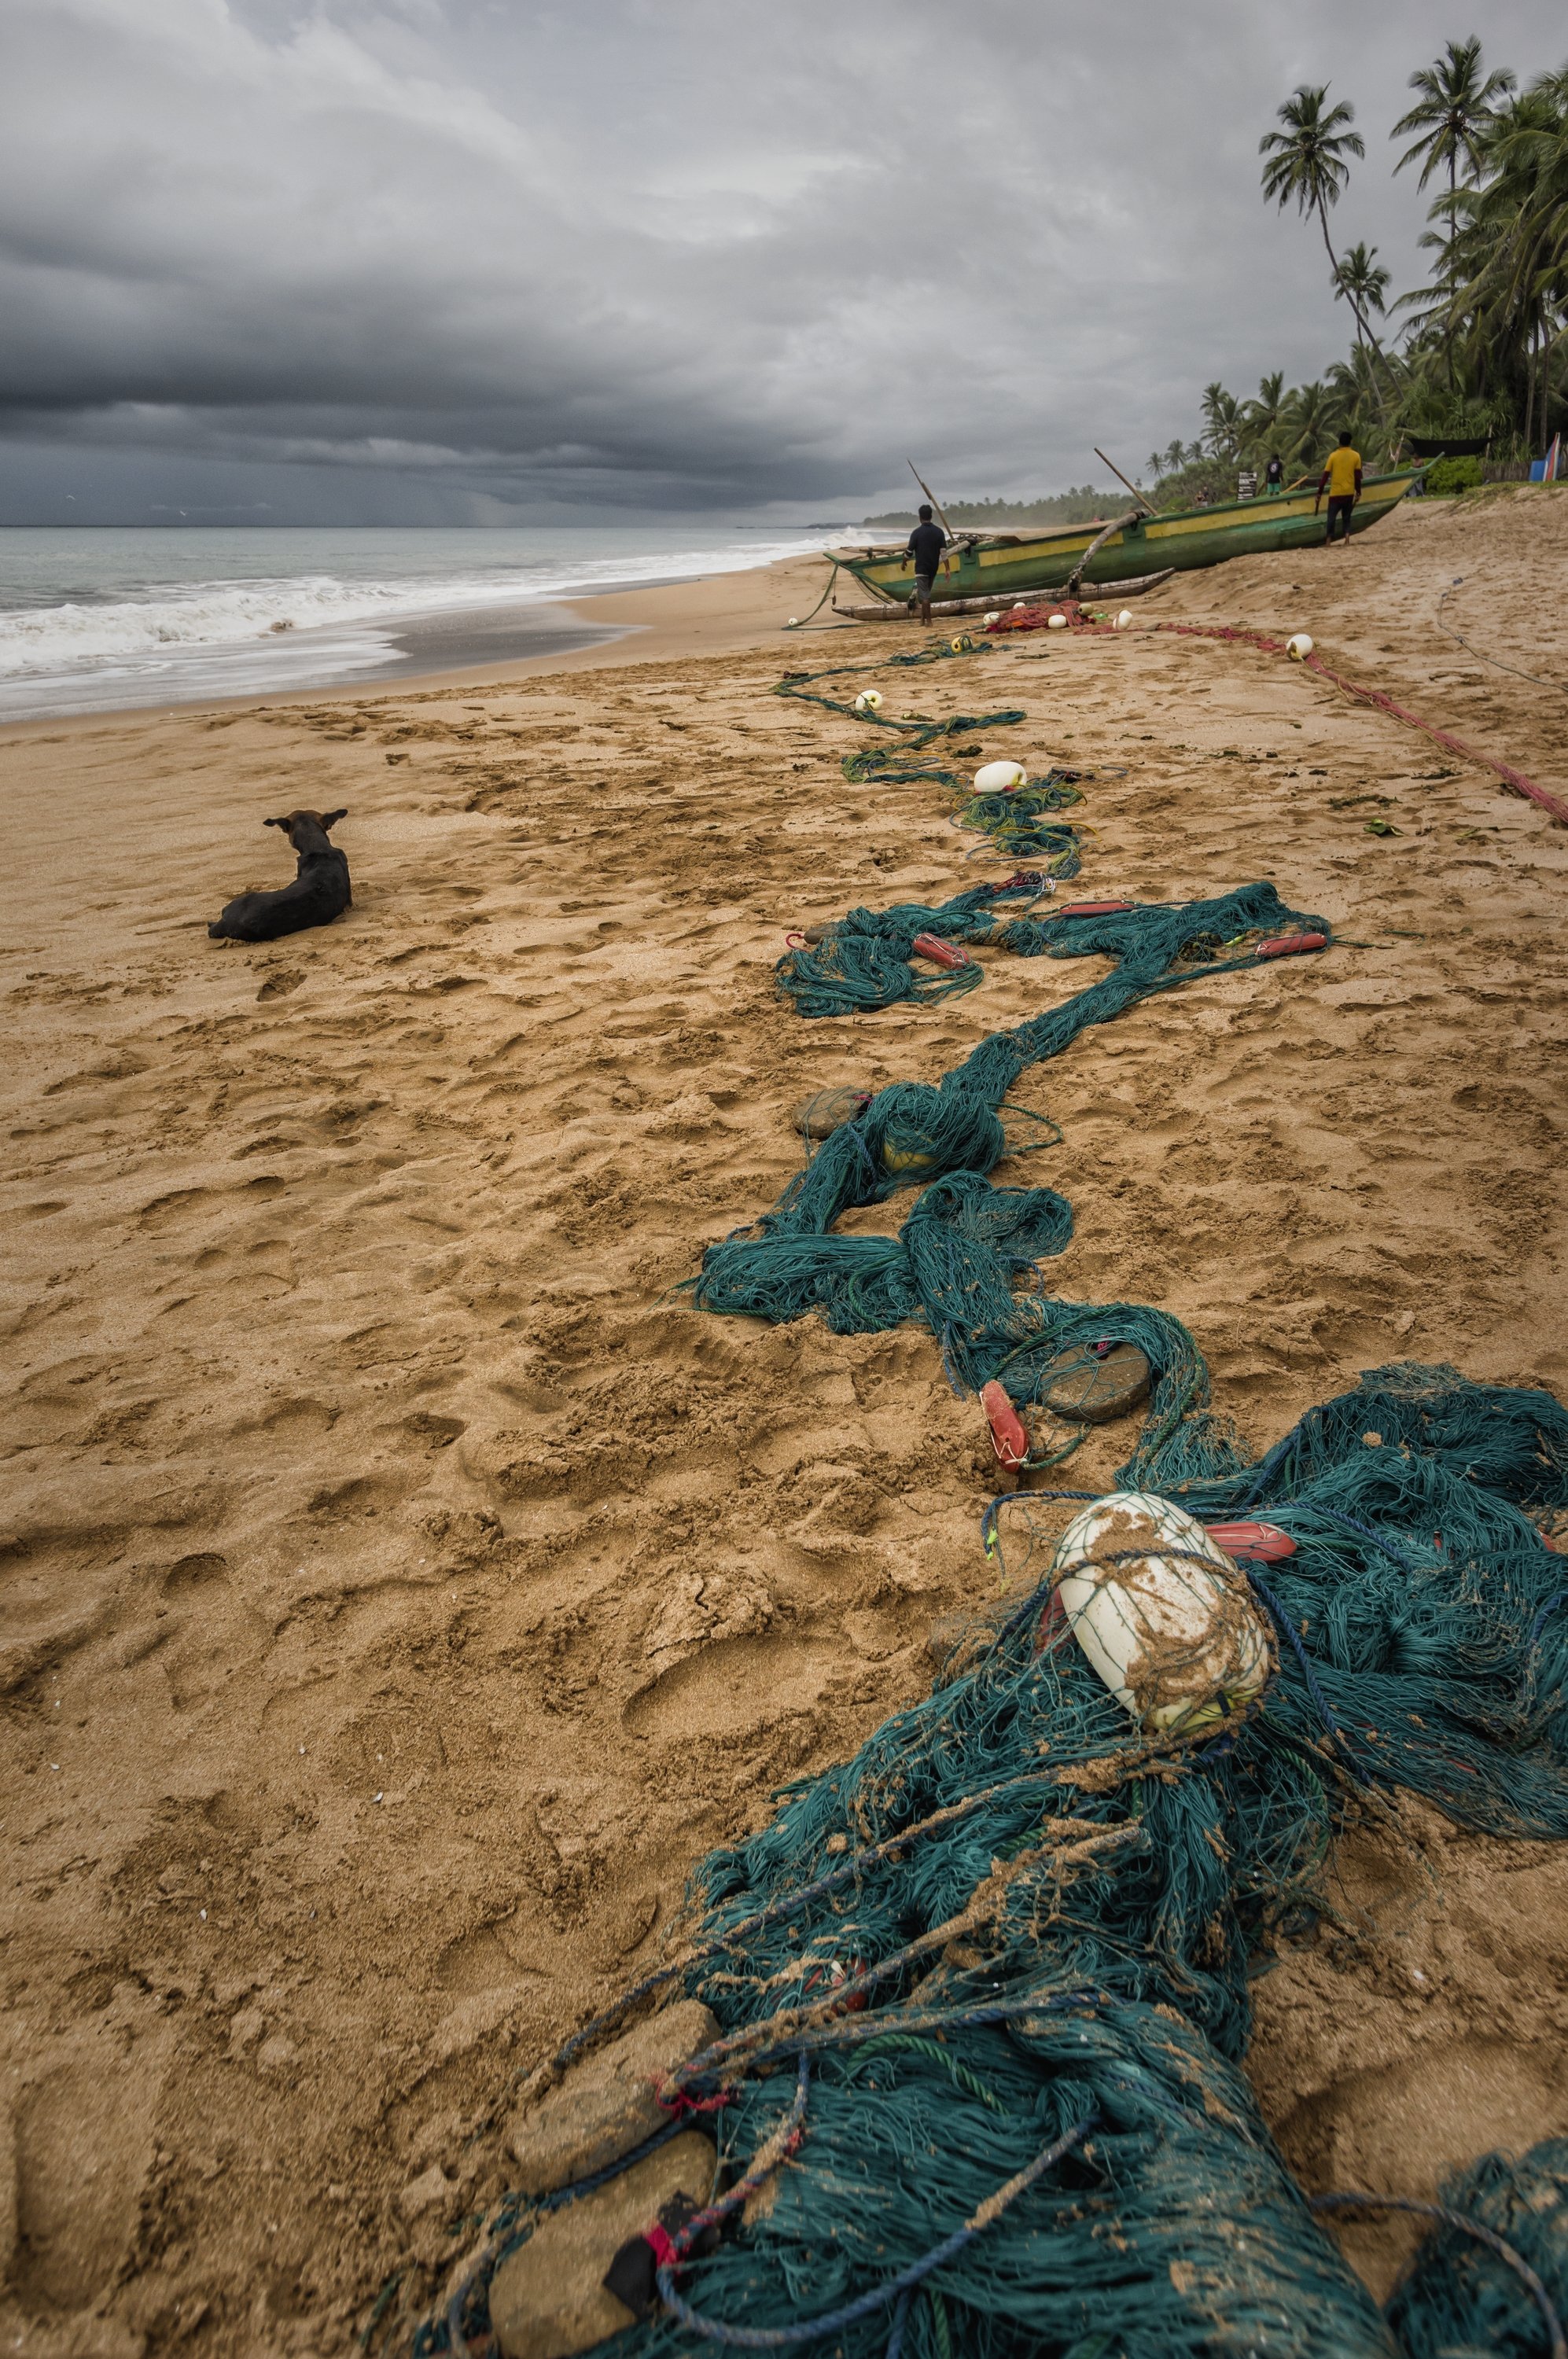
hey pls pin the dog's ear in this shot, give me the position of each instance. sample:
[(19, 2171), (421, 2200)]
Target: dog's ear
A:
[(274, 823), (330, 819)]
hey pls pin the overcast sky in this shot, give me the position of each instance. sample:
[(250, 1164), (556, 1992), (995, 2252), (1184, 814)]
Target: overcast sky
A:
[(487, 260)]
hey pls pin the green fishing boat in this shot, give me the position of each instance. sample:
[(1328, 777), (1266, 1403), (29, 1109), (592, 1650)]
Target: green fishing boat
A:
[(998, 567)]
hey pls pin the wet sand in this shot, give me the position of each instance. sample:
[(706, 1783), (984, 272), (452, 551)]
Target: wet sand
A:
[(404, 1588)]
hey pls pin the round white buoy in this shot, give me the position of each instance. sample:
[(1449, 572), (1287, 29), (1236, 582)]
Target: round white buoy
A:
[(1124, 619), (1298, 648), (988, 619), (1018, 605), (793, 623), (999, 778), (868, 701), (1178, 1643), (1057, 622)]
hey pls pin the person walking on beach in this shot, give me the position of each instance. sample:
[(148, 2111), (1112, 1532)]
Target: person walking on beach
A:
[(926, 544), (1342, 481)]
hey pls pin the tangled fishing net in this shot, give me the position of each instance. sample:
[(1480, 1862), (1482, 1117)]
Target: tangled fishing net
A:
[(965, 1248)]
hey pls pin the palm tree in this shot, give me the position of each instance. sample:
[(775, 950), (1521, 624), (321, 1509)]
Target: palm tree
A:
[(1311, 416), (1362, 281), (1306, 164), (1456, 110), (1260, 417), (1222, 422), (1306, 160)]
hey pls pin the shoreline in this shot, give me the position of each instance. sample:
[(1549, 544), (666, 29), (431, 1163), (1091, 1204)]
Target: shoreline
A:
[(688, 615)]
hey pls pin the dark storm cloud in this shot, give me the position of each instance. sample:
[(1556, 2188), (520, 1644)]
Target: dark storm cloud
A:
[(684, 253)]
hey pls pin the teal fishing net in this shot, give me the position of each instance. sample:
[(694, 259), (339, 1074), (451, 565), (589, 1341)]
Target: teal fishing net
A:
[(1460, 2298)]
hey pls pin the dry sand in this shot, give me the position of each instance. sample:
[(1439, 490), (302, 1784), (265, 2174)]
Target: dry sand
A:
[(404, 1589)]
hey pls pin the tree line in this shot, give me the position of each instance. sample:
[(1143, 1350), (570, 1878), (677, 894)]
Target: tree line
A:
[(1482, 349)]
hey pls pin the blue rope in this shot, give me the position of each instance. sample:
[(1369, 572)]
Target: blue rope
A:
[(831, 2322), (1288, 1630), (1539, 1622), (901, 2318), (1469, 2227)]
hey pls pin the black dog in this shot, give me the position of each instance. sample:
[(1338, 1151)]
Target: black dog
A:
[(319, 893)]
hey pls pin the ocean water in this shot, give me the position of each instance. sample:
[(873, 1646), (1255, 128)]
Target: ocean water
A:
[(91, 620)]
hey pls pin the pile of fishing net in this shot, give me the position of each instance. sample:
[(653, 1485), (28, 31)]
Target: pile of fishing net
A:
[(1039, 615), (981, 1993)]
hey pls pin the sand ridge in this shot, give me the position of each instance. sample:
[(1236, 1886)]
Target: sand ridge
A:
[(404, 1587)]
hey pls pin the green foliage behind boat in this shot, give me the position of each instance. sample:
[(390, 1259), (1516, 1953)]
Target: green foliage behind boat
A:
[(1012, 565)]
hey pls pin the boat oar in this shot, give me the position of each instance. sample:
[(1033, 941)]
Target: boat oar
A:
[(1121, 479), (932, 498)]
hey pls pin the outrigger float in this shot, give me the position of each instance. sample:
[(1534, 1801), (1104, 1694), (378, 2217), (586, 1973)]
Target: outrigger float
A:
[(1134, 554)]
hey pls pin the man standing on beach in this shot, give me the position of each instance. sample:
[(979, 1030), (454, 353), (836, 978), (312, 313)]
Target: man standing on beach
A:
[(1342, 480), (1274, 475), (926, 544)]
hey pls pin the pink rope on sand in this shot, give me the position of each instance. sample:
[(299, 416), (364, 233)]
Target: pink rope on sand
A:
[(1515, 780)]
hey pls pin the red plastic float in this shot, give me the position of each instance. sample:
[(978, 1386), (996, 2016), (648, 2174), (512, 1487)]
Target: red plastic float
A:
[(940, 953), (1008, 1439), (1291, 945), (1265, 1541), (1092, 908)]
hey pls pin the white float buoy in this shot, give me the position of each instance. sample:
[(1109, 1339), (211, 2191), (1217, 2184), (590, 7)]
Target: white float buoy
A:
[(793, 623), (999, 778), (868, 701), (988, 619), (1057, 622), (1298, 648), (1180, 1644), (1124, 619)]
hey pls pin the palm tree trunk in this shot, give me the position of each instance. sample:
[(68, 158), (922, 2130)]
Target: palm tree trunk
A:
[(1530, 395), (1453, 235), (1360, 322)]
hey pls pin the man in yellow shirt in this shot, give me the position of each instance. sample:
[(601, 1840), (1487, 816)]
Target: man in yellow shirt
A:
[(1342, 481)]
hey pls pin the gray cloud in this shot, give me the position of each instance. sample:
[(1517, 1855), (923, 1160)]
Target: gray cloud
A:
[(466, 257)]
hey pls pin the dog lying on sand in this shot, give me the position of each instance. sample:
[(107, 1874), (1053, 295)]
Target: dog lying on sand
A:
[(319, 893)]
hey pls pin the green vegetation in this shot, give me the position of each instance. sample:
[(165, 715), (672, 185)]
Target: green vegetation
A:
[(1454, 475), (1081, 506), (1484, 347)]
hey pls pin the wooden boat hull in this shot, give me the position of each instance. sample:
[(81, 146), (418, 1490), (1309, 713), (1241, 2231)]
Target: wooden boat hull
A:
[(997, 568), (883, 612)]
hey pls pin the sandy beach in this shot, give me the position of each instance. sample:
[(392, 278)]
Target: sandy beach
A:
[(404, 1587)]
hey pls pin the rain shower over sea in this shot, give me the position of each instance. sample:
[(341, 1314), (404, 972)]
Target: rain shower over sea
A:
[(99, 620)]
